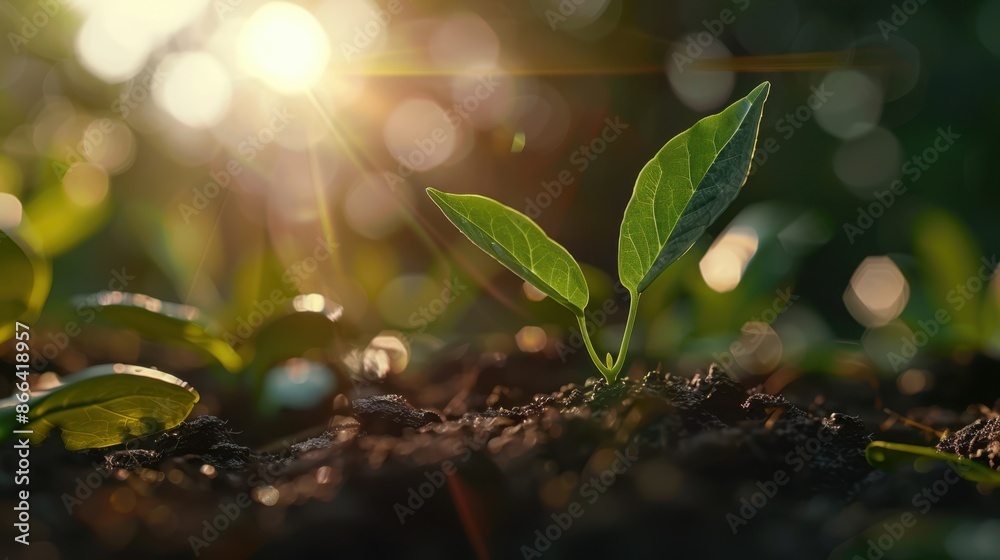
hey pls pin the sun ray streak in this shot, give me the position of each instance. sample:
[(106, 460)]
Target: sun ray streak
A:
[(208, 246), (324, 211), (424, 230)]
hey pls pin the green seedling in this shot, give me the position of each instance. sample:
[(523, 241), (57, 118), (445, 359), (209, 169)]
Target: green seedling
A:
[(678, 194)]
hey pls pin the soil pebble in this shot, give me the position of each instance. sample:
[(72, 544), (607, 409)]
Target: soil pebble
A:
[(390, 415)]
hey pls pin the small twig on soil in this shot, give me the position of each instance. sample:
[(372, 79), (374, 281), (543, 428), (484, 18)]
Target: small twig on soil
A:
[(913, 423)]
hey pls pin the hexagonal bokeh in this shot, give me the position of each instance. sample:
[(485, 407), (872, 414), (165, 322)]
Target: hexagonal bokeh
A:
[(878, 292)]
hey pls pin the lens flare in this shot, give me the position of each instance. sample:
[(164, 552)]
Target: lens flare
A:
[(284, 45)]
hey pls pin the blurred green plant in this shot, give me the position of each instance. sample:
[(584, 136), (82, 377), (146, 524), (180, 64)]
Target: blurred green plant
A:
[(956, 277), (678, 194), (305, 323), (769, 242), (161, 321), (26, 284), (954, 306), (103, 406), (890, 456), (290, 336), (61, 222)]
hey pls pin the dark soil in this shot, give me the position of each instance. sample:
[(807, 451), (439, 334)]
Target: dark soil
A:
[(664, 466), (979, 441)]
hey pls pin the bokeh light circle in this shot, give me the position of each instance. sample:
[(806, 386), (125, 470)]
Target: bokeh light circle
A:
[(196, 90), (700, 90), (869, 161), (419, 133), (285, 46), (854, 106)]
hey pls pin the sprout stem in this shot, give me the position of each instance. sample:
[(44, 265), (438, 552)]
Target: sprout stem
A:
[(611, 372)]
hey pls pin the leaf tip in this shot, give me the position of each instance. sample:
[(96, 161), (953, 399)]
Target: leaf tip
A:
[(439, 197), (764, 88)]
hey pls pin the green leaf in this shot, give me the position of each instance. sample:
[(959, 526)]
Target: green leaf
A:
[(311, 325), (885, 455), (685, 188), (519, 244), (161, 321), (27, 277), (104, 405)]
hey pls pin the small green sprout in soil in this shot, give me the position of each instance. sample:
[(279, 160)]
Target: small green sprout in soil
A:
[(678, 194)]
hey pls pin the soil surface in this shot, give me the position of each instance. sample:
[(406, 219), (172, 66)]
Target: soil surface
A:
[(662, 466)]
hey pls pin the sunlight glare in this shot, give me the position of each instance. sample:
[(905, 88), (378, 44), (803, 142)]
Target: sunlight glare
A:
[(309, 302), (196, 91), (111, 47), (285, 46), (118, 36)]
